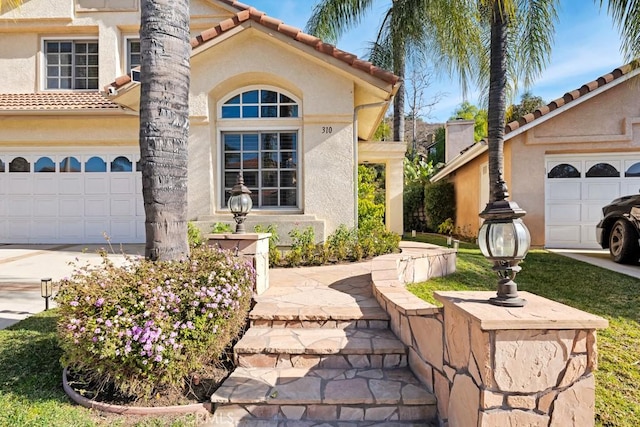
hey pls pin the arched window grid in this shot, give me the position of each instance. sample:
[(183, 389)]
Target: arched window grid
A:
[(563, 170), (70, 164), (121, 164), (602, 170), (19, 164), (633, 171), (259, 103), (44, 164)]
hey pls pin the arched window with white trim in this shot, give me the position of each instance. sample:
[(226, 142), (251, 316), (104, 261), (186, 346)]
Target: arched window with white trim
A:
[(260, 132)]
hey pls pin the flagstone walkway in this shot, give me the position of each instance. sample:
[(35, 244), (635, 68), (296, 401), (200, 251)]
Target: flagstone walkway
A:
[(320, 353)]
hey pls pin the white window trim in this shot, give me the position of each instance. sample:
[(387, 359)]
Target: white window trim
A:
[(43, 61), (262, 119), (126, 64)]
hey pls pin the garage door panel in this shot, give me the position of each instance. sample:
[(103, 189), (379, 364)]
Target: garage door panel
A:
[(96, 207), (71, 184), (4, 183), (45, 228), (45, 206), (566, 233), (70, 207), (122, 229), (20, 183), (566, 190), (563, 212), (140, 207), (18, 230), (96, 183), (19, 206), (122, 206), (631, 186), (606, 191), (45, 183), (122, 183), (592, 212), (95, 229), (71, 229)]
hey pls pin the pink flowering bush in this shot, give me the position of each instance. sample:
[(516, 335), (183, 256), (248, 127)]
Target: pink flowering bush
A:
[(149, 325)]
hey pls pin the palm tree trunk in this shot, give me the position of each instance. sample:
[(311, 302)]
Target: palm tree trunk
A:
[(398, 102), (164, 125), (497, 103)]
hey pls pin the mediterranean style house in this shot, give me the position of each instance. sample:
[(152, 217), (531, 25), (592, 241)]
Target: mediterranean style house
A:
[(293, 114), (562, 163)]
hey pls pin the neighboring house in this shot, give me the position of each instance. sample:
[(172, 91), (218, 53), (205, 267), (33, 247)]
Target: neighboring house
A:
[(294, 114), (562, 163)]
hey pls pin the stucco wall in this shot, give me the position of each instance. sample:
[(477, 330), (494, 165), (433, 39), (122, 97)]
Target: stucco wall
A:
[(252, 58)]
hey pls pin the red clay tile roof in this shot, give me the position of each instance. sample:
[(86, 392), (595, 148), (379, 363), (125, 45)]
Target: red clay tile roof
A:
[(569, 97), (247, 13), (55, 101)]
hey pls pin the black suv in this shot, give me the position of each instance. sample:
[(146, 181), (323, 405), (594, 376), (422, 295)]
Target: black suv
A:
[(619, 230)]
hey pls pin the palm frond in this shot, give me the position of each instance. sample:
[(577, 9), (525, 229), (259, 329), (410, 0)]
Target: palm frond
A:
[(332, 18), (626, 15)]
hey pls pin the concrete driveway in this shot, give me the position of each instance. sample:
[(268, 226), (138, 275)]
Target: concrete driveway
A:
[(22, 267), (601, 258)]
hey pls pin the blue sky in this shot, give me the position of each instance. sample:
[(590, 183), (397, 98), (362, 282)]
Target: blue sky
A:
[(586, 46)]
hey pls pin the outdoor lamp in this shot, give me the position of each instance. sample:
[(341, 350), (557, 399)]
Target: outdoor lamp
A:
[(45, 291), (240, 203), (505, 240)]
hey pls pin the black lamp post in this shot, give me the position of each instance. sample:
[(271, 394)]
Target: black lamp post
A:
[(46, 291), (240, 203), (504, 239)]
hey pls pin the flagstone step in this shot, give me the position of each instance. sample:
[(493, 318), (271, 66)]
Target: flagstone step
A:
[(332, 395), (323, 348), (341, 317)]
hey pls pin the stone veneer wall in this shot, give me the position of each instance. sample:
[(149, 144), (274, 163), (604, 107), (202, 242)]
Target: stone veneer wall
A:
[(487, 365)]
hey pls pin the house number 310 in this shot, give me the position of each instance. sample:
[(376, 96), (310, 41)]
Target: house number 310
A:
[(327, 129)]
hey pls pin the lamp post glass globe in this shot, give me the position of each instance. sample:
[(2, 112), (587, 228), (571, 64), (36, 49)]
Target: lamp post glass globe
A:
[(240, 203), (506, 242)]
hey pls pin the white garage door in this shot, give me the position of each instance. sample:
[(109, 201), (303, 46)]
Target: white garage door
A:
[(70, 196), (576, 189)]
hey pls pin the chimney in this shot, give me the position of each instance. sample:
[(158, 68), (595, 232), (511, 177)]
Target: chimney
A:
[(458, 136)]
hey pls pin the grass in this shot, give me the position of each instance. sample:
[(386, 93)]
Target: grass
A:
[(611, 295), (31, 383)]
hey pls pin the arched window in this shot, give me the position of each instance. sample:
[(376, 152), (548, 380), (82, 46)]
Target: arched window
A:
[(564, 170), (121, 164), (69, 164), (267, 158), (1, 166), (44, 164), (259, 103), (633, 171), (19, 164), (603, 170), (95, 164)]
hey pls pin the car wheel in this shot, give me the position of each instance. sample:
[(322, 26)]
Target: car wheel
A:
[(623, 242)]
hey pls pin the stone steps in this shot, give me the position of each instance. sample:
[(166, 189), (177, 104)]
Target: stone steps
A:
[(322, 348), (332, 395), (319, 353)]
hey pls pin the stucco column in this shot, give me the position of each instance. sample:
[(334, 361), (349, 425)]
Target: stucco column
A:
[(394, 190), (254, 246), (516, 366)]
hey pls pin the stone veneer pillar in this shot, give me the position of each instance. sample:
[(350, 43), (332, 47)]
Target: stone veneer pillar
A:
[(530, 366), (254, 246)]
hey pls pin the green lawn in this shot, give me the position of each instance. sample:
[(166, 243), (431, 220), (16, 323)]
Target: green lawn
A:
[(31, 383), (584, 286)]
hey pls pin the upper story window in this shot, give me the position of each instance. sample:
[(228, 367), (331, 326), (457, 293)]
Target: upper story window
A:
[(71, 64), (133, 54), (259, 103)]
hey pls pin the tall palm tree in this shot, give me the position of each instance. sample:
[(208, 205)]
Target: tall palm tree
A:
[(626, 15), (405, 26), (164, 125)]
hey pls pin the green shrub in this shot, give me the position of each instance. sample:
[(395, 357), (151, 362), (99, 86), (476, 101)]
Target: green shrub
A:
[(413, 200), (145, 327), (303, 247), (340, 243), (447, 227), (194, 236), (221, 227), (439, 203), (275, 256)]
